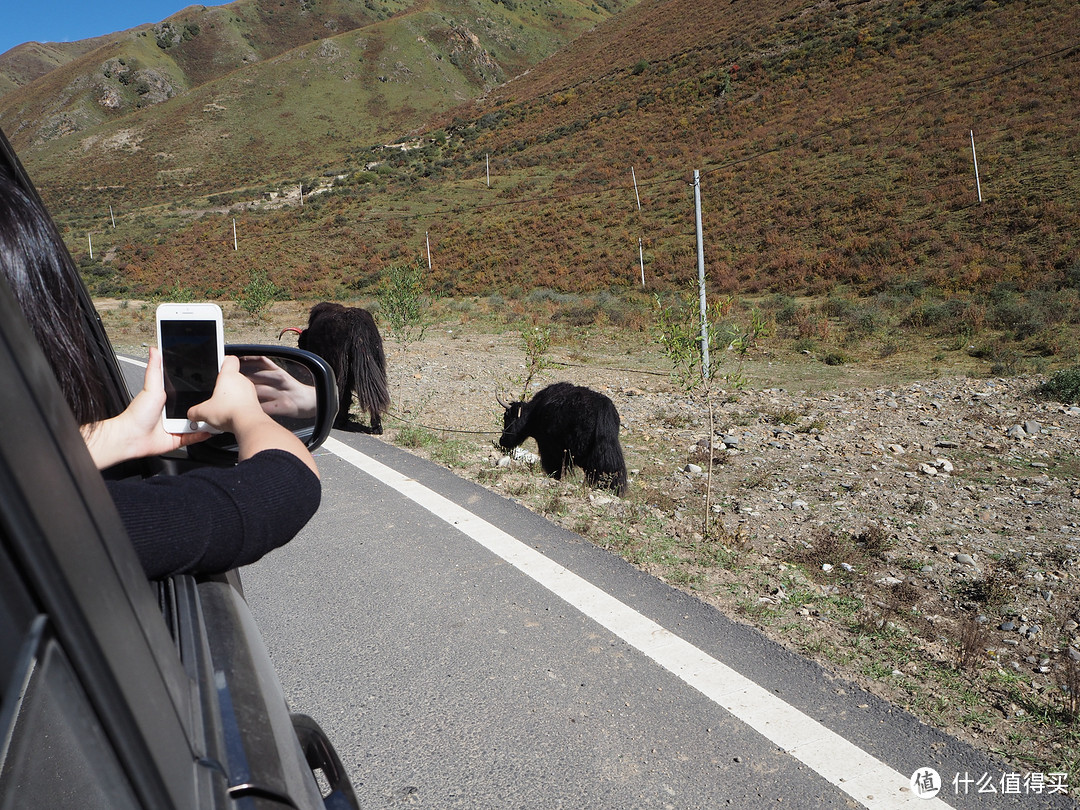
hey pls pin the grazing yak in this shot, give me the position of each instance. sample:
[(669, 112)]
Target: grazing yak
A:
[(347, 339), (572, 426)]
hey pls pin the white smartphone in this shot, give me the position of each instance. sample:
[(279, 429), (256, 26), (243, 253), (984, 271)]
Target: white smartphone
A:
[(192, 345)]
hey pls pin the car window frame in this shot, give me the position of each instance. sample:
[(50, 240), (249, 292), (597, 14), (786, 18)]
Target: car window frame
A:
[(82, 572)]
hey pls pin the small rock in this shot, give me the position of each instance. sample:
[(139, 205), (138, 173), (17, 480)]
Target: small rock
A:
[(524, 456), (964, 559)]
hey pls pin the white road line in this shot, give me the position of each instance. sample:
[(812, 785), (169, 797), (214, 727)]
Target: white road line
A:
[(862, 776)]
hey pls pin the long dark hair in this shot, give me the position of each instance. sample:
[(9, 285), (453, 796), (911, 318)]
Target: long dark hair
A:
[(35, 268)]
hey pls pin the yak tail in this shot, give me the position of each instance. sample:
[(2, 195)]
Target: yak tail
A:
[(369, 377), (609, 461)]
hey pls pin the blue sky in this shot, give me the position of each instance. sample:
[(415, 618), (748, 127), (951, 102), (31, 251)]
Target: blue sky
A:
[(69, 20)]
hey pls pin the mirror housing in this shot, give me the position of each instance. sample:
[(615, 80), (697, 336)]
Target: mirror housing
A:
[(295, 386)]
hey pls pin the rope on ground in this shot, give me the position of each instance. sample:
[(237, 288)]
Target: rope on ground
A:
[(410, 422), (613, 368)]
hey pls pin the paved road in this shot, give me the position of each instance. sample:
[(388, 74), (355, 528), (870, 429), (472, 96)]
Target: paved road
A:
[(462, 652)]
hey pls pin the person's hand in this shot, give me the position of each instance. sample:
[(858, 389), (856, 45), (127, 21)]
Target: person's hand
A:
[(233, 402), (280, 393), (138, 431), (235, 407)]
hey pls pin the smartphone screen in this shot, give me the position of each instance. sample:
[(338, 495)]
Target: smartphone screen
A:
[(189, 354)]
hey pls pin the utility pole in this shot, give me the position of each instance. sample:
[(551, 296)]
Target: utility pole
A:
[(978, 187), (641, 259), (701, 279)]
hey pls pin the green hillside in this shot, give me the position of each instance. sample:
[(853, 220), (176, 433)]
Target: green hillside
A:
[(258, 91), (30, 61), (834, 143)]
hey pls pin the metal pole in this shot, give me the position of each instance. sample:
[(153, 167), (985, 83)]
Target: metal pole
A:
[(112, 216), (427, 239), (978, 187), (234, 245), (301, 193), (91, 244), (641, 258), (487, 168), (636, 196), (701, 278)]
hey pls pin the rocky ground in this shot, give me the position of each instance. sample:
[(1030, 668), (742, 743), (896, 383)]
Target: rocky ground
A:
[(920, 537), (917, 536)]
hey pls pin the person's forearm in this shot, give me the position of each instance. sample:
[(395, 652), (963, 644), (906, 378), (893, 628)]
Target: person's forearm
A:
[(105, 443), (257, 432)]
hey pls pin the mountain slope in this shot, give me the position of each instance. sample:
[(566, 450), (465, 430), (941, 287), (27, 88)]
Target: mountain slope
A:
[(30, 61), (246, 93), (834, 142), (108, 77)]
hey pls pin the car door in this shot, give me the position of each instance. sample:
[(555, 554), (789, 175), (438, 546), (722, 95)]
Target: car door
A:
[(118, 692)]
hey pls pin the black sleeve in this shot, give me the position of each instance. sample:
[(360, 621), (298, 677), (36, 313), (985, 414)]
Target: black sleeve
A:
[(216, 518)]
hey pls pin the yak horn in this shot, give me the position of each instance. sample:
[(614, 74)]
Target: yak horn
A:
[(499, 399), (288, 329)]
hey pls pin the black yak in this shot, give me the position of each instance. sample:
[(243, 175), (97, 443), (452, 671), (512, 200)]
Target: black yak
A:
[(348, 339), (572, 426)]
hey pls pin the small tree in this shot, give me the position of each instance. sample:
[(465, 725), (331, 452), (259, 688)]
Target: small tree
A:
[(258, 294), (679, 332), (535, 341), (403, 302)]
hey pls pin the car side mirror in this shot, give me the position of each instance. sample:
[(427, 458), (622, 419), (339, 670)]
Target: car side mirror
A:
[(297, 388)]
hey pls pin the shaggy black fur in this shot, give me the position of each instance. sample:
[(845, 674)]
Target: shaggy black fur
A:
[(348, 339), (572, 426)]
